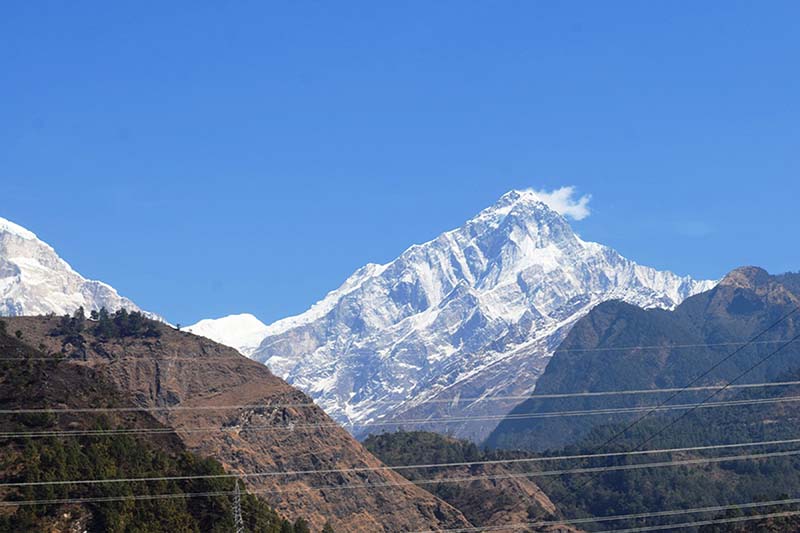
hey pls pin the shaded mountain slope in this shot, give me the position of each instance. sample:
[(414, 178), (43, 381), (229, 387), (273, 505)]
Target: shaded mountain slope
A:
[(180, 370), (731, 482), (618, 346)]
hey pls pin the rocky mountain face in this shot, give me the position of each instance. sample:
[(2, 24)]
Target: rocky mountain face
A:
[(618, 346), (34, 280), (473, 314), (32, 379), (272, 427)]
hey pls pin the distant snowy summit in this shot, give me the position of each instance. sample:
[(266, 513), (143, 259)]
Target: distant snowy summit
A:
[(474, 313), (243, 332), (34, 280)]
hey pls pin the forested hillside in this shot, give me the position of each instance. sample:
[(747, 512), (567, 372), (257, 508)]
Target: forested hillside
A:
[(775, 476), (488, 494)]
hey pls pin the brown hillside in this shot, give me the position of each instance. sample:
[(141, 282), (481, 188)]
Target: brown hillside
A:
[(181, 370)]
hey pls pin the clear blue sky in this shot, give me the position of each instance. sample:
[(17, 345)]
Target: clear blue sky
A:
[(207, 158)]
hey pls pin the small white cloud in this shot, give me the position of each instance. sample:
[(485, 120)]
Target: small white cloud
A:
[(565, 202)]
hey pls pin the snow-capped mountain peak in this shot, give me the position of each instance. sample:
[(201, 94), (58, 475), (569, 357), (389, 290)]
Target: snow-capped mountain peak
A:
[(513, 199), (479, 308), (6, 226), (34, 280), (243, 332)]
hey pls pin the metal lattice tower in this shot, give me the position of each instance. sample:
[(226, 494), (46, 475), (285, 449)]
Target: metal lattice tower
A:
[(238, 522)]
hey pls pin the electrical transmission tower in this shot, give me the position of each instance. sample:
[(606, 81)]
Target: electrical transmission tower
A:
[(238, 522)]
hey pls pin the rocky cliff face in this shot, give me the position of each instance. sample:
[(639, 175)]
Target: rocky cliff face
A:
[(35, 448), (474, 313), (281, 431)]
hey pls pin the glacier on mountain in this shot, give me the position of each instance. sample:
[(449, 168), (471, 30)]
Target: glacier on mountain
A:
[(475, 313)]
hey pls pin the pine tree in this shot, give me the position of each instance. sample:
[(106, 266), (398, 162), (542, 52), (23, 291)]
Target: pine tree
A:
[(105, 327), (301, 526)]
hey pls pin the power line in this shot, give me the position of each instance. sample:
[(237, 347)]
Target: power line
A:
[(701, 404), (420, 421), (497, 477), (615, 518), (526, 460), (784, 514), (177, 408), (407, 420), (738, 519), (657, 514), (712, 395), (200, 359), (708, 371), (662, 346)]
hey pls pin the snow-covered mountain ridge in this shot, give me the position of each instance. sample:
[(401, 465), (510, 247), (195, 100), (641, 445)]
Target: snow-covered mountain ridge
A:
[(474, 312), (34, 280), (243, 332)]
